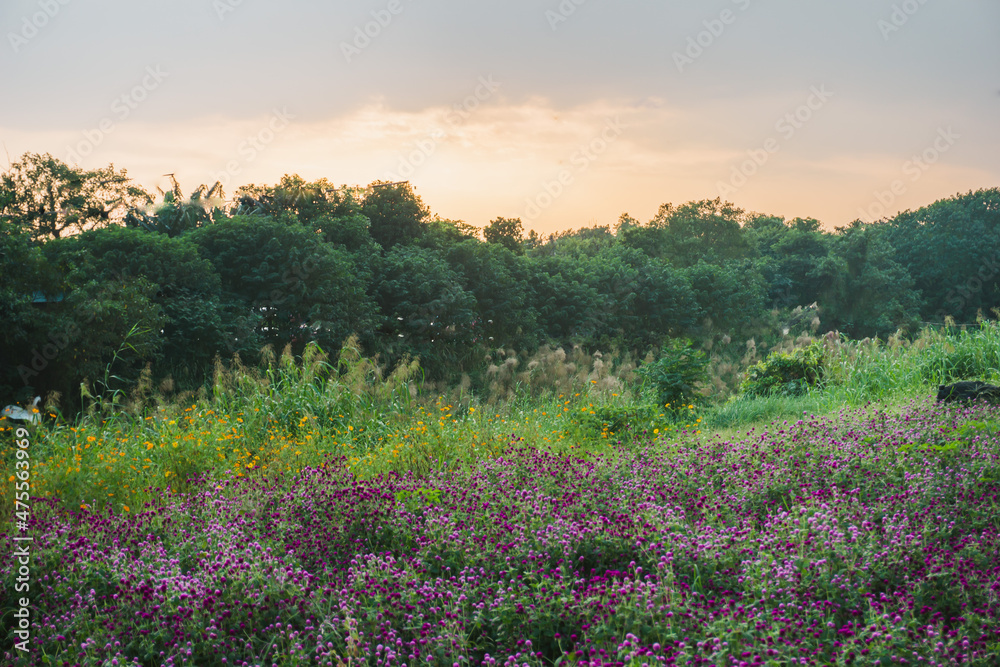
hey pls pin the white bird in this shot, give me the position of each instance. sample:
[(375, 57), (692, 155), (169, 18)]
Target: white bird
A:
[(32, 416)]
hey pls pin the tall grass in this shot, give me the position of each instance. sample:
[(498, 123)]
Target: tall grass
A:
[(293, 395), (553, 371), (895, 370), (872, 370), (294, 413)]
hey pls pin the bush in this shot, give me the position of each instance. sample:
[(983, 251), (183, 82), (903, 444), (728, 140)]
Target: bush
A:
[(673, 376), (611, 420), (785, 373)]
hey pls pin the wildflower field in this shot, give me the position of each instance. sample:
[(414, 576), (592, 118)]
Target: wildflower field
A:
[(375, 529)]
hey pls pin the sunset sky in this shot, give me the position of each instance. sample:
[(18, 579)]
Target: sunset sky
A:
[(565, 114)]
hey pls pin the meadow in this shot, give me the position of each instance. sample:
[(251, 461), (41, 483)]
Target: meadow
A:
[(340, 514)]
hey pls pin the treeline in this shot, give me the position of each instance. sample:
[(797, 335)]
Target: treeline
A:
[(100, 279)]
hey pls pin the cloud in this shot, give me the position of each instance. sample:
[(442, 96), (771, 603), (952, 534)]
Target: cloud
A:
[(360, 119)]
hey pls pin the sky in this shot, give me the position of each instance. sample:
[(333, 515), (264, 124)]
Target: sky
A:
[(564, 113)]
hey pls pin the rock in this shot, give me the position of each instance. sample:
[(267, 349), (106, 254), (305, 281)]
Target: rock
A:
[(968, 391)]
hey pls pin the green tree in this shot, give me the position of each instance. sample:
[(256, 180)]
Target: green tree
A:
[(23, 273), (443, 235), (102, 332), (568, 306), (301, 288), (583, 242), (499, 281), (199, 322), (643, 300), (121, 326), (789, 253), (53, 199), (307, 201), (508, 232), (673, 378), (865, 292), (349, 232), (651, 239), (709, 230), (176, 214), (952, 250), (396, 213), (730, 296), (426, 312)]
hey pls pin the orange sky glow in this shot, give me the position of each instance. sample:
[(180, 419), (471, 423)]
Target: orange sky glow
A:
[(833, 113)]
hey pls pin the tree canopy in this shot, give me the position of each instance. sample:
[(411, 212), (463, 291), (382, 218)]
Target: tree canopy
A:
[(52, 199), (98, 281)]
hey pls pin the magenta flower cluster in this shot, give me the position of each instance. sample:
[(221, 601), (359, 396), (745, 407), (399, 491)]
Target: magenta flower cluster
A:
[(867, 538)]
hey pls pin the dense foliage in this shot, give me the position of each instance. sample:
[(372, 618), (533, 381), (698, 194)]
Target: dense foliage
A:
[(99, 281), (673, 377), (785, 372)]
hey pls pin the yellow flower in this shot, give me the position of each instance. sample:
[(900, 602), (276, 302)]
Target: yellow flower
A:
[(126, 507)]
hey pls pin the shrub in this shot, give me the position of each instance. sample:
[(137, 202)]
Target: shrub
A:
[(785, 373), (673, 376), (614, 420)]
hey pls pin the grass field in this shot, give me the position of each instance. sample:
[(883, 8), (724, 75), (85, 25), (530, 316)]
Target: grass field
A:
[(316, 514)]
